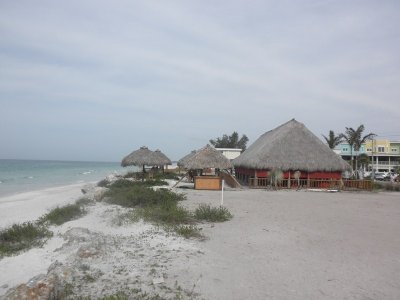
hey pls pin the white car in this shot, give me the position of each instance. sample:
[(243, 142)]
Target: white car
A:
[(379, 176)]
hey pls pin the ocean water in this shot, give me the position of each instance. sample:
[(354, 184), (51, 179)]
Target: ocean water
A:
[(18, 176)]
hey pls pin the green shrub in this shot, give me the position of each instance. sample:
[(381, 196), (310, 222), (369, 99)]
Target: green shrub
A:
[(122, 183), (131, 175), (60, 215), (22, 237), (212, 214), (168, 175), (103, 183), (132, 194)]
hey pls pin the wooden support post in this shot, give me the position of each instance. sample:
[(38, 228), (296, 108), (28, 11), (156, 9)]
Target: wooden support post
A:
[(255, 178), (308, 180), (179, 180), (288, 184)]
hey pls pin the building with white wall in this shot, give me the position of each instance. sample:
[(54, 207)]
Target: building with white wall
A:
[(230, 153)]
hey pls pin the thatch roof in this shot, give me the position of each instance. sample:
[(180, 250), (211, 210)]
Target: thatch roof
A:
[(140, 157), (207, 157), (290, 146), (186, 157), (158, 158)]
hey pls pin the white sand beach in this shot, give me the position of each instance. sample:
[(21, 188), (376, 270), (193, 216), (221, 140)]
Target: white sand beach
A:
[(29, 206), (279, 245)]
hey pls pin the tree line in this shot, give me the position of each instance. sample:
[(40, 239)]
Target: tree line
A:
[(231, 141)]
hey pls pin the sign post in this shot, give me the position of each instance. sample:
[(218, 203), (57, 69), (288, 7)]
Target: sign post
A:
[(222, 193)]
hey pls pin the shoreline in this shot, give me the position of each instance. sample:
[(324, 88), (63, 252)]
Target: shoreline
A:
[(39, 188)]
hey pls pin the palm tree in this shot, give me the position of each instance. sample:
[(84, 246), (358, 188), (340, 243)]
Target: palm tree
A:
[(363, 159), (355, 139), (332, 140)]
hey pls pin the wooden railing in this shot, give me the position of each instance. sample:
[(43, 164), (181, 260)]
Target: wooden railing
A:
[(344, 184), (358, 184)]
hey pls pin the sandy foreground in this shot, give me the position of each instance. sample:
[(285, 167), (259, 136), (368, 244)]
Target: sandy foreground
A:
[(279, 245)]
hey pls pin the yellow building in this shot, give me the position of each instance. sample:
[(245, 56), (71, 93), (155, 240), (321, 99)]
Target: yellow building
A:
[(384, 154)]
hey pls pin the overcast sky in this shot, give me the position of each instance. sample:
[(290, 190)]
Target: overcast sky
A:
[(95, 80)]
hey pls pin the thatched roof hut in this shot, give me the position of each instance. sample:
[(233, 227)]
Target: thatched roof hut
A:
[(140, 157), (207, 157), (290, 146), (158, 158)]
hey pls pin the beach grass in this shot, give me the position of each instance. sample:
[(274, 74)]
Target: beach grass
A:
[(212, 214), (168, 213), (84, 201), (158, 176), (167, 175), (23, 236), (19, 237), (188, 231), (159, 207), (60, 215), (133, 194)]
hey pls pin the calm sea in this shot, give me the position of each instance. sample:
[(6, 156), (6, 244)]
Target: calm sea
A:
[(18, 176)]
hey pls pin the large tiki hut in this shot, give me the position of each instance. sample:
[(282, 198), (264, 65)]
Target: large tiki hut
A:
[(205, 158), (292, 150)]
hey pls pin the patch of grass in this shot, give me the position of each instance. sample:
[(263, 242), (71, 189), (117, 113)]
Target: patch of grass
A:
[(128, 217), (212, 214), (60, 215), (133, 194), (23, 236), (84, 201), (123, 183), (188, 231), (161, 207), (167, 175), (168, 213)]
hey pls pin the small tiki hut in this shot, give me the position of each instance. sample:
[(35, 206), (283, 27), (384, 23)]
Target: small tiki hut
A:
[(141, 157), (205, 158), (181, 162), (159, 159), (289, 153)]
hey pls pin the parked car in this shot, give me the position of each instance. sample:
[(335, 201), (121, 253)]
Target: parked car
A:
[(380, 176)]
